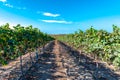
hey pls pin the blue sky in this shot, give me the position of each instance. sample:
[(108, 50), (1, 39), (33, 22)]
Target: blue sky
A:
[(61, 16)]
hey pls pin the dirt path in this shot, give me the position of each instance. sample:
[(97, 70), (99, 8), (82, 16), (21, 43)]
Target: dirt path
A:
[(60, 62)]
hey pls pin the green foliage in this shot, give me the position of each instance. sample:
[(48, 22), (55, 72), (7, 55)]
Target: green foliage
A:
[(19, 40), (100, 43)]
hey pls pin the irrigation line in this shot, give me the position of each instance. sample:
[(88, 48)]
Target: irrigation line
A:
[(21, 68), (35, 59)]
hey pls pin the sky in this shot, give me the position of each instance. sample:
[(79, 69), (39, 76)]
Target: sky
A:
[(61, 16)]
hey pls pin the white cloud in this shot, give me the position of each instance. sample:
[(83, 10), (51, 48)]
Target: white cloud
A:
[(21, 8), (3, 0), (15, 7), (9, 5), (56, 21), (50, 14)]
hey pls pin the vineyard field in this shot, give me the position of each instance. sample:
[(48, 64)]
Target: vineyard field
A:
[(100, 44), (53, 59), (19, 40)]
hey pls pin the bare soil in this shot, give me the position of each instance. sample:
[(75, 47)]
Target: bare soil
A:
[(61, 62)]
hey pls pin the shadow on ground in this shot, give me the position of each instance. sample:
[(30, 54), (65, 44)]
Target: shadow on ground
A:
[(83, 67), (98, 70)]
